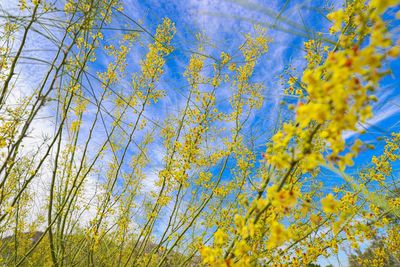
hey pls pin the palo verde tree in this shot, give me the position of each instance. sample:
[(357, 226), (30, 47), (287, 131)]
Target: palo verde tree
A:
[(90, 177)]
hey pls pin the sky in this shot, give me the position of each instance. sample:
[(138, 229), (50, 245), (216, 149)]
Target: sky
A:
[(225, 22)]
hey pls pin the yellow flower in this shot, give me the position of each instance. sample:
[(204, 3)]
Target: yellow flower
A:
[(278, 235), (241, 248), (284, 198), (315, 219), (220, 237), (329, 204), (225, 58), (337, 18), (382, 5), (209, 255), (394, 51)]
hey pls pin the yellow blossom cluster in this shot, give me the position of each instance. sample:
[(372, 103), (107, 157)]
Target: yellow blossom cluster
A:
[(338, 93)]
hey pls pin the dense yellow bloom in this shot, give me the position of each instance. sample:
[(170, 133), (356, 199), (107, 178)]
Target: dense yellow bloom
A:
[(174, 169), (220, 237), (278, 235), (225, 58), (382, 5), (283, 198), (330, 204), (337, 96)]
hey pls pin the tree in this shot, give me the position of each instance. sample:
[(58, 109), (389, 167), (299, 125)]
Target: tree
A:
[(94, 172)]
